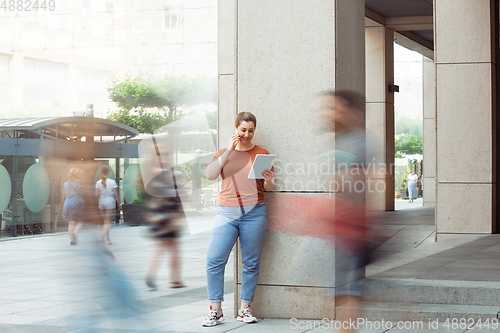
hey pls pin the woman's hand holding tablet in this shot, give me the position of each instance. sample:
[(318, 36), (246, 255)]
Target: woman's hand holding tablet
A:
[(262, 162)]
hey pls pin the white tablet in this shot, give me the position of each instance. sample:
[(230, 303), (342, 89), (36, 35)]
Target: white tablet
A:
[(262, 162)]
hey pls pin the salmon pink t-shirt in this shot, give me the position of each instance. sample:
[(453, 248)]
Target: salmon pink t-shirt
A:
[(235, 178)]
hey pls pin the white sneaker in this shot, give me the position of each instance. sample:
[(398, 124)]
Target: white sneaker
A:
[(246, 315), (214, 317)]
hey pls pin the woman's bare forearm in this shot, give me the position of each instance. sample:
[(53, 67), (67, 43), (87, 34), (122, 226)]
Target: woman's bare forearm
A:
[(214, 169)]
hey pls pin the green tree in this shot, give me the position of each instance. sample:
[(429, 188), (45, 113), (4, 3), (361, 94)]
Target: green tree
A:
[(405, 125), (141, 120), (408, 136), (403, 180), (212, 120), (407, 144), (147, 104)]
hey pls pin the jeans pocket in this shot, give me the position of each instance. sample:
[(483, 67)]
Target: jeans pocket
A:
[(260, 209)]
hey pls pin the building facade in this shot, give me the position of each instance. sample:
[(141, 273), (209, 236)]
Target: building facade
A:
[(57, 58), (274, 67)]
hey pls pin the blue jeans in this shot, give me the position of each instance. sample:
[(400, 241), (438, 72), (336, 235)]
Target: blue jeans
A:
[(229, 224)]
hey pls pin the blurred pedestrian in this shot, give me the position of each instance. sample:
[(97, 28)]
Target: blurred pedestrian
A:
[(72, 203), (241, 212), (163, 217), (98, 266), (105, 190), (411, 184), (164, 213), (344, 110)]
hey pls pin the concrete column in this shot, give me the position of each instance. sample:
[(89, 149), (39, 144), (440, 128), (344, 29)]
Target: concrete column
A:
[(274, 57), (380, 111), (429, 131), (226, 61), (466, 116)]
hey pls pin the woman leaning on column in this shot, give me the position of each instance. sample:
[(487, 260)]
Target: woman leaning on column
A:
[(241, 213)]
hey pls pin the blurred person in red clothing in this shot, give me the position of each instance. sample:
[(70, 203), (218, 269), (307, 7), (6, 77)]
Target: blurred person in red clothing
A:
[(338, 219), (344, 110)]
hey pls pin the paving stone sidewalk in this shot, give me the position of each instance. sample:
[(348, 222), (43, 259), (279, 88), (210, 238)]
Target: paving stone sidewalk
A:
[(49, 286)]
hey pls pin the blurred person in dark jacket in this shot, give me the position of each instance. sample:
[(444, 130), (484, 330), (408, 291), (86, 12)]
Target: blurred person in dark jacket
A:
[(164, 214)]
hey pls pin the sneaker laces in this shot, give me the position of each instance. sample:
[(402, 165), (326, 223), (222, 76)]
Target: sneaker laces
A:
[(212, 313), (246, 312)]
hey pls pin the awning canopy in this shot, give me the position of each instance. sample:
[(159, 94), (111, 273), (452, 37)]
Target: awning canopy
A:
[(66, 128)]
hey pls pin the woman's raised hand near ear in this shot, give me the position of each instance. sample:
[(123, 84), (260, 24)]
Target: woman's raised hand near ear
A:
[(233, 142), (214, 169)]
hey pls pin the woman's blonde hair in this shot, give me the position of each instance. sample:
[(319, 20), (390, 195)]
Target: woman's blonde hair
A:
[(73, 174), (245, 116), (104, 176)]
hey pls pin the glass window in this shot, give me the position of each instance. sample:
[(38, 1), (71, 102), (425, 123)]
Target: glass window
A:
[(4, 67), (174, 18), (56, 61), (43, 73), (85, 17), (59, 18), (139, 23), (40, 79), (29, 71), (109, 21), (58, 74)]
